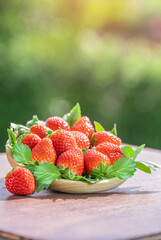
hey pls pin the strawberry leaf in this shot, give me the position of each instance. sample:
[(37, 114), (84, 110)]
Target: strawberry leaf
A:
[(46, 173), (41, 186), (31, 166), (127, 151), (98, 127), (123, 168), (49, 132), (68, 175), (84, 179), (12, 138), (35, 121), (137, 151), (114, 130), (22, 153), (19, 129), (99, 173), (143, 167), (73, 116), (84, 150), (153, 166)]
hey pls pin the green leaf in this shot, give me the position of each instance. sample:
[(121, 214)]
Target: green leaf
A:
[(66, 173), (46, 173), (35, 121), (19, 129), (127, 151), (22, 153), (84, 179), (100, 173), (12, 138), (151, 165), (31, 167), (49, 132), (98, 127), (84, 150), (41, 186), (137, 151), (20, 138), (73, 116), (143, 167), (123, 168), (114, 130)]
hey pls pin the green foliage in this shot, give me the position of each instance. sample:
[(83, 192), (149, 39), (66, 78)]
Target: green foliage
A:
[(127, 151), (98, 127), (73, 116), (123, 168), (46, 173), (143, 167), (137, 151), (12, 139), (22, 153), (114, 130), (34, 121)]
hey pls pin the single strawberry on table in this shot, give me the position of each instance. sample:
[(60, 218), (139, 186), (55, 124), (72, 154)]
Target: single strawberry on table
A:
[(55, 123), (72, 159), (105, 136), (20, 181), (92, 159), (31, 140), (63, 140), (112, 151), (84, 125), (81, 139), (44, 152), (39, 130)]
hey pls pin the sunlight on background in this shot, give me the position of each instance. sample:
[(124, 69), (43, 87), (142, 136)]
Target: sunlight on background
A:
[(106, 55)]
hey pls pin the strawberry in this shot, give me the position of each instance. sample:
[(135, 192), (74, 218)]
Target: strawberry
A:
[(44, 152), (72, 159), (20, 181), (39, 130), (84, 125), (105, 136), (92, 159), (55, 123), (63, 140), (112, 151), (31, 140), (81, 139)]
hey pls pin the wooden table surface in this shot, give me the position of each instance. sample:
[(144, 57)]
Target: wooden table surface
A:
[(131, 211)]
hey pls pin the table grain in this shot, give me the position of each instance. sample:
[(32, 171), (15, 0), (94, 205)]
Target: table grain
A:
[(131, 211)]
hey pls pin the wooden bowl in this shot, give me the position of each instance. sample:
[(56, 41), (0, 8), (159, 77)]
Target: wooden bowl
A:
[(69, 186)]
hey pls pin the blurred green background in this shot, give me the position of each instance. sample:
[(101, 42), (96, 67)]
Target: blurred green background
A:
[(104, 54)]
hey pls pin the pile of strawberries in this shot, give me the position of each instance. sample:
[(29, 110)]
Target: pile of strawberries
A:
[(78, 148), (64, 145)]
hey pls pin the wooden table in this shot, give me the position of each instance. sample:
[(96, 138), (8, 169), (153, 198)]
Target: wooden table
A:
[(132, 211)]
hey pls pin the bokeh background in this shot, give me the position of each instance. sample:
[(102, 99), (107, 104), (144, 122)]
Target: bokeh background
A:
[(104, 54)]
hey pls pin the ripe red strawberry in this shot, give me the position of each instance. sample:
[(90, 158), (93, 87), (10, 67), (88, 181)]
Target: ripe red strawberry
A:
[(20, 181), (31, 140), (72, 159), (92, 159), (112, 151), (63, 140), (105, 136), (39, 130), (44, 152), (55, 123), (84, 125), (81, 139)]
